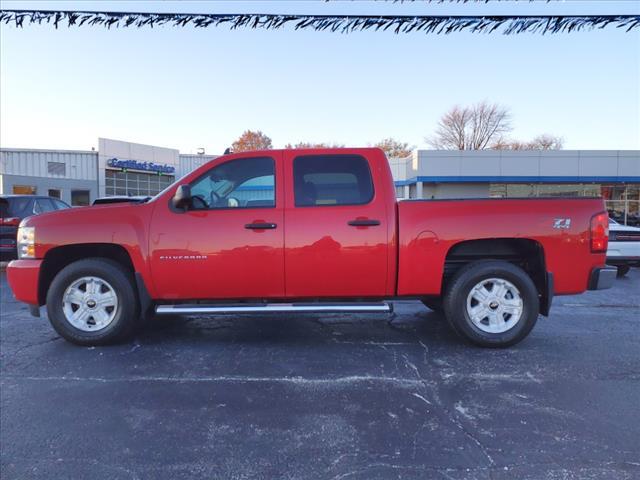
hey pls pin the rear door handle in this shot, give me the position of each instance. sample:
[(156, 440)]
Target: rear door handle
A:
[(260, 226), (364, 223)]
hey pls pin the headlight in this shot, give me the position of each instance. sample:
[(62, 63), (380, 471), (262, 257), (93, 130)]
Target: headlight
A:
[(27, 242)]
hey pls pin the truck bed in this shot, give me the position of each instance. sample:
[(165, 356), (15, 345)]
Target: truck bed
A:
[(428, 229)]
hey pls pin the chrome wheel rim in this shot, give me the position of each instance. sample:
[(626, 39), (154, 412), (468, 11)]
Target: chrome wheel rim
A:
[(494, 305), (90, 304)]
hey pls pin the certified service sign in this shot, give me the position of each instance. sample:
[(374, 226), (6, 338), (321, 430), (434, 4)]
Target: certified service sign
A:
[(144, 166)]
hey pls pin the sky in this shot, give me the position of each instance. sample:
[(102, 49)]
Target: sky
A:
[(188, 88)]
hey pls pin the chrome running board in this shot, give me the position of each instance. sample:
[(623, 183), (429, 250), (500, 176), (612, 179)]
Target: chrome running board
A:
[(274, 307)]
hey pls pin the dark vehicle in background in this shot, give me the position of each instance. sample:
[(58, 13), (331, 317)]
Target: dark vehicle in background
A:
[(13, 208)]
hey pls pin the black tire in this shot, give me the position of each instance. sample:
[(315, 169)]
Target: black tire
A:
[(622, 270), (126, 313), (455, 303), (434, 304)]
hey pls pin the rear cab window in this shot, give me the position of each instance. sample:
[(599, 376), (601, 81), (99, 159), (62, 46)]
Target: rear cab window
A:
[(332, 180)]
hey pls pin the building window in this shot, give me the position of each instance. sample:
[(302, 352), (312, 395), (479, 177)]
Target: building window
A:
[(118, 182), (24, 190), (80, 198), (56, 169), (55, 193), (622, 201)]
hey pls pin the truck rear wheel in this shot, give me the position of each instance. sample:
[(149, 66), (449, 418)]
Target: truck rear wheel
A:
[(93, 302), (491, 303)]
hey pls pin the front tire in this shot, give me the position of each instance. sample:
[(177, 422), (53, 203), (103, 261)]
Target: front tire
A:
[(491, 303), (93, 302)]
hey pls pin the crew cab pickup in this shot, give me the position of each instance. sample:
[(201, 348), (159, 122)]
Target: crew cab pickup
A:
[(308, 230)]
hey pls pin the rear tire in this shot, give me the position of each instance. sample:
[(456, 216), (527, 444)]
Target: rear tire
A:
[(93, 302), (491, 303), (622, 270)]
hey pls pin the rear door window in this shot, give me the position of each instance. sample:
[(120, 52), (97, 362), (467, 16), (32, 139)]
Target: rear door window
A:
[(43, 205), (325, 180), (60, 205)]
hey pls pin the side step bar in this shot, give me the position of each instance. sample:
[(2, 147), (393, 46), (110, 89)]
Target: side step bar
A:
[(274, 307)]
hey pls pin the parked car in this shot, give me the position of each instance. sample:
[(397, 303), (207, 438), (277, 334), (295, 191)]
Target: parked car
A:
[(624, 247), (308, 230), (13, 208)]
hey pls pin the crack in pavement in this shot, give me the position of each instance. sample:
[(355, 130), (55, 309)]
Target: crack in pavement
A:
[(11, 356), (405, 382)]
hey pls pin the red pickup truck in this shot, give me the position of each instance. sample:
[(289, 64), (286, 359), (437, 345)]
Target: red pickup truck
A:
[(308, 230)]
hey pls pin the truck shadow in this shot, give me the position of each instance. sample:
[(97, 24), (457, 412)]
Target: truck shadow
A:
[(300, 329)]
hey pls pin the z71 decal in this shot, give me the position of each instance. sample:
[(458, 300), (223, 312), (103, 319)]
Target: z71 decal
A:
[(562, 223)]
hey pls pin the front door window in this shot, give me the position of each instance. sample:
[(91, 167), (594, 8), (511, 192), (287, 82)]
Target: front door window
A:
[(242, 183)]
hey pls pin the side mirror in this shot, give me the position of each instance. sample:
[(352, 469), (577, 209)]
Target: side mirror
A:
[(182, 197)]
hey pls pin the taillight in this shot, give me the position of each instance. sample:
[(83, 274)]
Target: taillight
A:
[(599, 232), (10, 221)]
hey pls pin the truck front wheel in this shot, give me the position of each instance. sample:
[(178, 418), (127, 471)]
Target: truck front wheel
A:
[(93, 302), (491, 303)]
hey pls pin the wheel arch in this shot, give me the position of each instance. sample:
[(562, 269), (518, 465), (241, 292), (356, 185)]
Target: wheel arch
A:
[(526, 253), (58, 258)]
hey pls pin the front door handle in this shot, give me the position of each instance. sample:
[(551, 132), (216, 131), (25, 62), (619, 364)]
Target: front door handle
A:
[(260, 226), (364, 223)]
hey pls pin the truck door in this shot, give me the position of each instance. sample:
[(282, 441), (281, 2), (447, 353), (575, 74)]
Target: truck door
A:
[(230, 243), (336, 235)]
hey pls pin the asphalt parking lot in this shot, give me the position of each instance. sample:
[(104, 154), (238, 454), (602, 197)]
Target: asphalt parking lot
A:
[(327, 397)]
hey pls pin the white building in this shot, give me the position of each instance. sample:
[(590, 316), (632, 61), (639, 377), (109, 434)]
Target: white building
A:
[(612, 174), (125, 168), (79, 177)]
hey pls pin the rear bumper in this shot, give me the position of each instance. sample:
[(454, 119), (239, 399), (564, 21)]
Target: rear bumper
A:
[(623, 251), (622, 260), (602, 278), (23, 278)]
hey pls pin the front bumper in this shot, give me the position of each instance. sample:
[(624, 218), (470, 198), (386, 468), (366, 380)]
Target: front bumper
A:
[(23, 276), (602, 278)]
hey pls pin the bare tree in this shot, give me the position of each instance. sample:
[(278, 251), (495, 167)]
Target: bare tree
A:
[(547, 142), (394, 148), (251, 140), (471, 128), (541, 142), (313, 145)]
